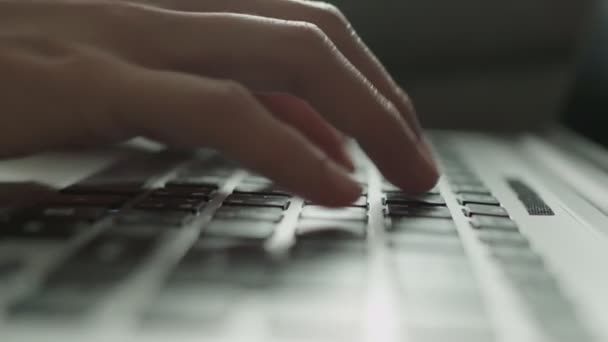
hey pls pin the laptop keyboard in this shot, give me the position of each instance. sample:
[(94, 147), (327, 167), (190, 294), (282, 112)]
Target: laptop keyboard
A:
[(309, 268)]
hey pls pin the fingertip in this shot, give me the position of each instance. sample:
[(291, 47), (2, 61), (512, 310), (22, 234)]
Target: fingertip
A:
[(344, 159), (339, 188)]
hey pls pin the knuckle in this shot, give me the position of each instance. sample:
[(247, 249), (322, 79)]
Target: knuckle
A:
[(330, 16), (311, 52), (308, 35), (233, 94)]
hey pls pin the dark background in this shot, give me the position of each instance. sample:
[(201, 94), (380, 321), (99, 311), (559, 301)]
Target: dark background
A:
[(477, 64)]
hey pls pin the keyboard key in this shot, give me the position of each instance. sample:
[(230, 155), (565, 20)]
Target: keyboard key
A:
[(257, 201), (242, 262), (114, 251), (53, 306), (422, 225), (183, 192), (490, 222), (40, 230), (104, 201), (193, 183), (488, 210), (101, 264), (249, 213), (244, 229), (318, 229), (407, 211), (477, 199), (421, 244), (191, 205), (360, 202), (135, 217), (121, 189), (517, 257), (471, 189), (323, 213), (190, 307), (260, 189), (502, 238), (401, 198), (65, 214)]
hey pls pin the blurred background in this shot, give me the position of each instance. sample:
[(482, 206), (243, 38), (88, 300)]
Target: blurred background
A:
[(476, 64)]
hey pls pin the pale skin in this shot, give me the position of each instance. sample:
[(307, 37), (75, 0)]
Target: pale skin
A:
[(275, 84)]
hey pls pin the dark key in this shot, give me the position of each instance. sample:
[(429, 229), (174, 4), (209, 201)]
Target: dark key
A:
[(471, 189), (244, 229), (249, 213), (42, 230), (477, 199), (360, 202), (257, 201), (488, 210), (407, 211), (104, 201), (64, 214), (243, 263), (490, 222), (183, 192), (193, 183), (121, 189), (315, 229), (517, 257), (401, 198), (323, 213), (260, 190), (424, 225), (190, 205), (52, 306), (114, 251), (136, 217), (502, 238)]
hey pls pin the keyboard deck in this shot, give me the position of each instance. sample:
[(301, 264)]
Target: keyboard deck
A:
[(192, 246)]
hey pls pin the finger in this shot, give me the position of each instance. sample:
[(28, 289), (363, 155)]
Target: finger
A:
[(335, 25), (305, 119), (296, 58), (192, 111)]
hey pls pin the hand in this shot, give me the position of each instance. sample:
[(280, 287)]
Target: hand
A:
[(272, 90)]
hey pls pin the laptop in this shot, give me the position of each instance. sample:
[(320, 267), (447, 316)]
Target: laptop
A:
[(143, 243)]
